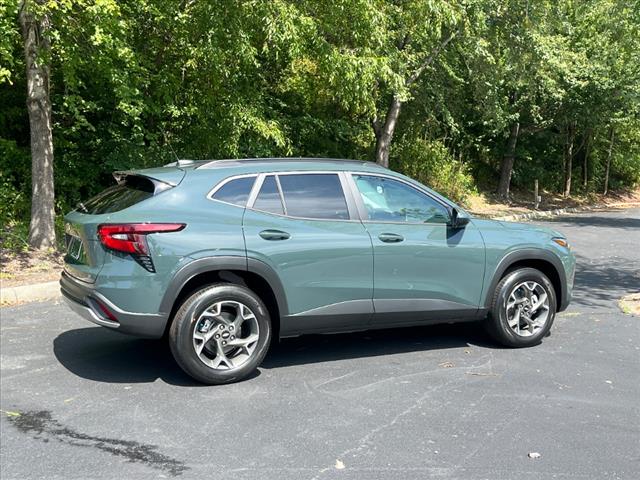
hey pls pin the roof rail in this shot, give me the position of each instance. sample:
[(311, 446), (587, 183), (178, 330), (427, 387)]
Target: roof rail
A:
[(239, 161)]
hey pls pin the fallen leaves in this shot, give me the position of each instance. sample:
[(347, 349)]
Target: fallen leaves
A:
[(10, 414)]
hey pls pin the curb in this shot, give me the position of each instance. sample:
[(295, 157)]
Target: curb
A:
[(560, 211), (29, 293)]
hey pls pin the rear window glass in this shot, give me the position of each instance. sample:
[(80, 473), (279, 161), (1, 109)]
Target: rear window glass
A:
[(314, 196), (235, 191), (268, 199), (133, 190)]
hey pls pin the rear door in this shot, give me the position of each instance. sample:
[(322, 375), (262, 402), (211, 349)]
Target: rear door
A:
[(423, 268), (306, 229)]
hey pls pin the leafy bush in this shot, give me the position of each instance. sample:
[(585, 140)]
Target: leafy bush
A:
[(431, 163), (15, 182)]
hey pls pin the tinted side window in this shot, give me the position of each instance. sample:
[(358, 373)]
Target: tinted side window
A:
[(268, 199), (235, 191), (386, 199), (314, 196)]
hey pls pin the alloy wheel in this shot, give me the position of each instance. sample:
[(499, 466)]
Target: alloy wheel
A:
[(527, 308), (226, 335)]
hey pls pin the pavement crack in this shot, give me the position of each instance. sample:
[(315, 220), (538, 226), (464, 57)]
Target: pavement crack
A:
[(42, 426), (365, 442)]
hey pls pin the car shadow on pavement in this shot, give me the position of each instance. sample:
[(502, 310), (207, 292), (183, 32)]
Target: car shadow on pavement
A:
[(101, 355), (98, 354), (323, 348)]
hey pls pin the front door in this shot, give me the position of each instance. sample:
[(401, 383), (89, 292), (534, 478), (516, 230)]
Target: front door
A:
[(423, 268), (303, 227)]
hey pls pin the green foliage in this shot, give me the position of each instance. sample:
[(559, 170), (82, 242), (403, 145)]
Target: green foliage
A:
[(15, 182), (431, 163), (132, 82), (9, 39)]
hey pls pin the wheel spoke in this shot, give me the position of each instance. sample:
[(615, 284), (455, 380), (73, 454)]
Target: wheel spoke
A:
[(199, 347), (244, 342), (528, 290), (530, 324), (221, 356), (542, 300), (515, 321)]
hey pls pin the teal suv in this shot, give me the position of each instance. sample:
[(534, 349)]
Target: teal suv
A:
[(222, 256)]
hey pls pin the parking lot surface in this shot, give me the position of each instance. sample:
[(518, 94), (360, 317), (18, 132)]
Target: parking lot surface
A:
[(81, 402)]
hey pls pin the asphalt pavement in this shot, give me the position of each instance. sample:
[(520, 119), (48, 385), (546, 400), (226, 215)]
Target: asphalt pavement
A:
[(81, 402)]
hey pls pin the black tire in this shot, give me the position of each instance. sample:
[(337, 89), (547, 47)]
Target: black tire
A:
[(497, 324), (183, 325)]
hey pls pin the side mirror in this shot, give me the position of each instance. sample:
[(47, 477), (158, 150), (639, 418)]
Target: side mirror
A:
[(458, 220)]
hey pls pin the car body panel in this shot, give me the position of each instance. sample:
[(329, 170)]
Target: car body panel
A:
[(324, 263), (329, 275), (435, 266)]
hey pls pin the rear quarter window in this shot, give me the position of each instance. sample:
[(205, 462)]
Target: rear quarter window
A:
[(235, 191)]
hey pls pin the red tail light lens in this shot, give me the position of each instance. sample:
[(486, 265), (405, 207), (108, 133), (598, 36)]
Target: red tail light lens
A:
[(131, 237)]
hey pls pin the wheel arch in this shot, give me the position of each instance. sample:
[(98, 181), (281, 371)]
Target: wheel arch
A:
[(541, 260), (253, 274)]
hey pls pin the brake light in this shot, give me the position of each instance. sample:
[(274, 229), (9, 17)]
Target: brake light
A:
[(131, 237)]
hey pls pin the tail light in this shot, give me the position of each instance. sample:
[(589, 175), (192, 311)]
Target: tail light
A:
[(132, 238)]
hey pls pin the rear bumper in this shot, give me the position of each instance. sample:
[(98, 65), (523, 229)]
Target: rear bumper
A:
[(84, 300)]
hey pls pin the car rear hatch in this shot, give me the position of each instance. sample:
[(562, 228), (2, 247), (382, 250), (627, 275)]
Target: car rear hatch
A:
[(85, 255)]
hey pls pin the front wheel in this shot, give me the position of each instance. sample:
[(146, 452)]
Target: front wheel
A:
[(220, 334), (523, 308)]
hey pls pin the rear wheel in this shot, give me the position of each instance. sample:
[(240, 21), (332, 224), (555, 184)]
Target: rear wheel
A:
[(220, 334), (523, 308)]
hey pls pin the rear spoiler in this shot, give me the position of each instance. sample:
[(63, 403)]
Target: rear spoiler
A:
[(159, 176)]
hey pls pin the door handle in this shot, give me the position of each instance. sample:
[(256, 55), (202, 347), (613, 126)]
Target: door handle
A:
[(274, 235), (390, 237)]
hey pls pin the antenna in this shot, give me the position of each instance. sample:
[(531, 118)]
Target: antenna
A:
[(166, 139)]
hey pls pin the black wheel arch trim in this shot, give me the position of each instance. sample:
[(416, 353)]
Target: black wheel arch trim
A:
[(529, 254), (218, 263)]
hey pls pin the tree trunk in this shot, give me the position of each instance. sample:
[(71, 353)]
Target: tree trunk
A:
[(568, 160), (37, 50), (508, 159), (384, 133), (585, 160), (608, 168)]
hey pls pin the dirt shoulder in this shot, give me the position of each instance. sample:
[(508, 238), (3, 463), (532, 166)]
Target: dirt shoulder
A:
[(29, 267), (489, 205)]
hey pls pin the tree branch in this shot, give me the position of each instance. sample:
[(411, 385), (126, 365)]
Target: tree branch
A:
[(430, 59), (375, 124)]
